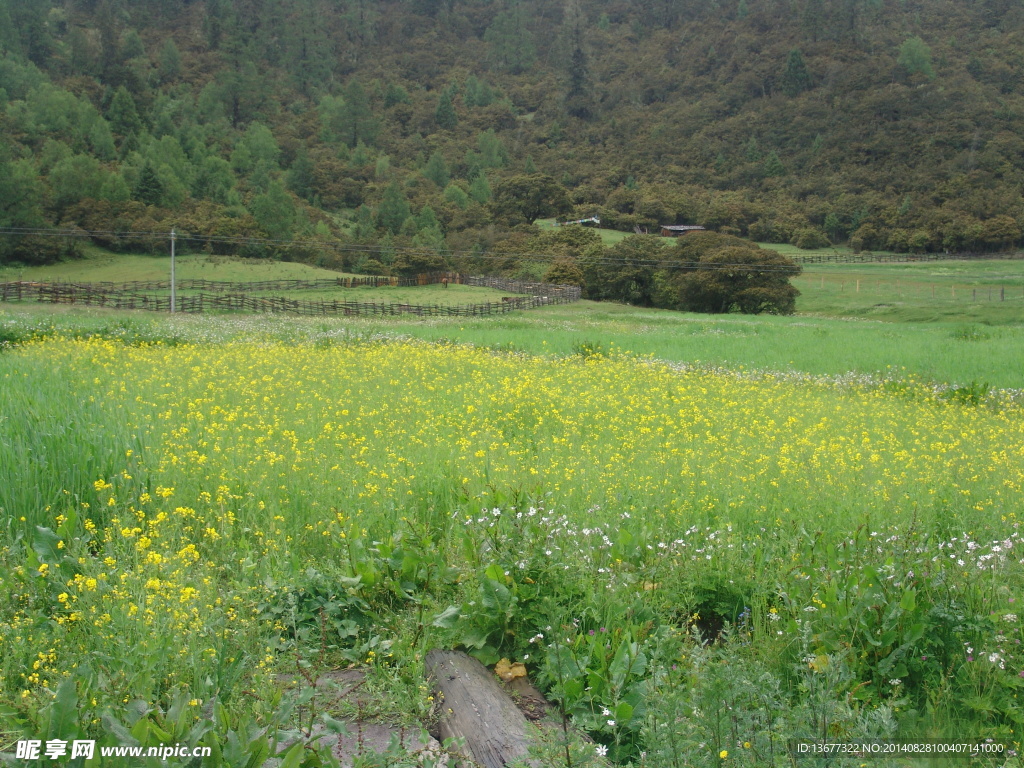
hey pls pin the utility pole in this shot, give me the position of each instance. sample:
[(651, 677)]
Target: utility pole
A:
[(172, 271)]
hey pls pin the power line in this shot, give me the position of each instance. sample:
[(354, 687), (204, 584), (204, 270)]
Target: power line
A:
[(604, 260), (377, 249)]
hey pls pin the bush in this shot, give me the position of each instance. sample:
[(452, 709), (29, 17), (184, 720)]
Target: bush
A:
[(625, 272), (35, 250), (743, 279), (564, 272), (808, 239)]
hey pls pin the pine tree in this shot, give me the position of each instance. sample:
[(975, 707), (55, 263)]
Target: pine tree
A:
[(356, 121), (578, 100), (170, 61), (122, 114), (394, 209), (395, 94), (479, 189), (795, 79), (916, 57), (275, 212), (445, 112), (301, 179), (511, 43), (437, 170), (148, 188), (752, 152), (307, 53), (456, 195), (773, 165)]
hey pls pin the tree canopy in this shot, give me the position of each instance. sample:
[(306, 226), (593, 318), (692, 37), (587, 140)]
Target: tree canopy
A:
[(881, 124)]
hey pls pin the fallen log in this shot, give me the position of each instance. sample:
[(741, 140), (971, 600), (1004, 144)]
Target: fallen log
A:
[(477, 711)]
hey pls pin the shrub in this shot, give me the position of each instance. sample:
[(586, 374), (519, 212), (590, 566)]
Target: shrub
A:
[(564, 272), (743, 279), (809, 239)]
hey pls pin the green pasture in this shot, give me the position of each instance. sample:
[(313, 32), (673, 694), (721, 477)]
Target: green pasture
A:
[(949, 352), (203, 505), (608, 236), (388, 294), (101, 266), (940, 321), (989, 292), (793, 252)]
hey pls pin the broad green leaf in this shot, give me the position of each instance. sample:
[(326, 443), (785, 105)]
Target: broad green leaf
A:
[(64, 711), (45, 545), (909, 600), (448, 618), (915, 633), (623, 713), (293, 756)]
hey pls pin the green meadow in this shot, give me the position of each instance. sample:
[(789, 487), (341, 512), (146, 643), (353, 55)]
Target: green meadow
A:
[(955, 351), (100, 265), (810, 523)]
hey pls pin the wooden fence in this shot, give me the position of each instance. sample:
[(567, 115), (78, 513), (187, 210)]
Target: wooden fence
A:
[(119, 296), (260, 286), (894, 258)]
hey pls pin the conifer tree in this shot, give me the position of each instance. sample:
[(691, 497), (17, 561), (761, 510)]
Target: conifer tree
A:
[(445, 113), (795, 79), (356, 121), (578, 99), (511, 43), (301, 175), (916, 58), (437, 170), (394, 209), (122, 114), (480, 189), (275, 212), (170, 61), (148, 188)]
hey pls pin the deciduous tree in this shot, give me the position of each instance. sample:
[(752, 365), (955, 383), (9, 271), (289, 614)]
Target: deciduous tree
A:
[(530, 197), (743, 279)]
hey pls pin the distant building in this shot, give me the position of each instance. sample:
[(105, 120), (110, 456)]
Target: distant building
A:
[(675, 230), (583, 222)]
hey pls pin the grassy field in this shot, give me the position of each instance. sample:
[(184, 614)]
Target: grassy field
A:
[(254, 497), (100, 265), (199, 506), (426, 294), (987, 292), (608, 236), (955, 353), (793, 252)]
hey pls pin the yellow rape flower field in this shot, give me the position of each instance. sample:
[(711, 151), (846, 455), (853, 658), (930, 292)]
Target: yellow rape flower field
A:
[(187, 523)]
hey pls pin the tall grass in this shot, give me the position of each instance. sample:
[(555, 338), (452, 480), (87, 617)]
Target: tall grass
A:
[(231, 505), (947, 353)]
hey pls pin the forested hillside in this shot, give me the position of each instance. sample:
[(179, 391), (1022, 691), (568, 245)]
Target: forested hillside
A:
[(447, 124)]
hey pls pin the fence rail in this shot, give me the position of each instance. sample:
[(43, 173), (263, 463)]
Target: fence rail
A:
[(126, 296), (894, 258)]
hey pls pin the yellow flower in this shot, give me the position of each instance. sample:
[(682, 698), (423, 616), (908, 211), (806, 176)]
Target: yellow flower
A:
[(723, 754)]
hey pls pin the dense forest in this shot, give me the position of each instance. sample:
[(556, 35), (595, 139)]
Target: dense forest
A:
[(426, 129)]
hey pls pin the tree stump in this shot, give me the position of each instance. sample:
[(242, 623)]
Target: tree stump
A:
[(476, 710)]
